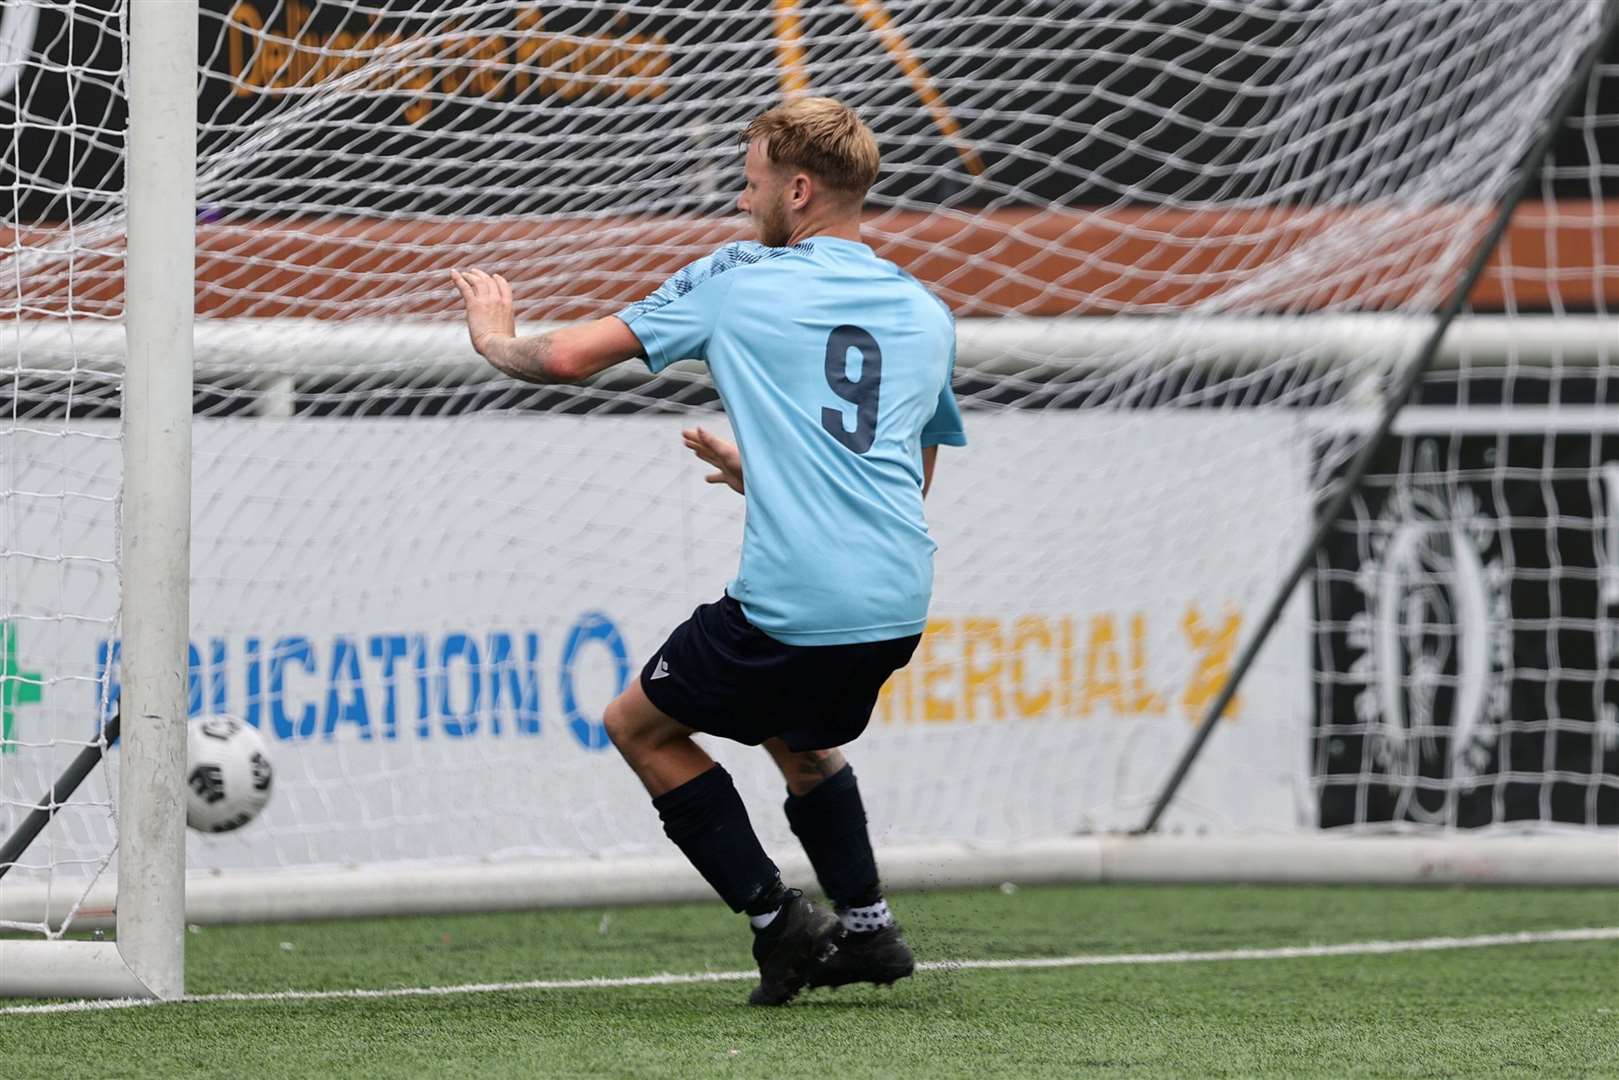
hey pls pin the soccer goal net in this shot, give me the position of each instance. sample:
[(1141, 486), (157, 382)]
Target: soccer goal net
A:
[(1190, 247)]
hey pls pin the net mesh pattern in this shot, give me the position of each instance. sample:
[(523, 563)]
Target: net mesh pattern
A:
[(1186, 244)]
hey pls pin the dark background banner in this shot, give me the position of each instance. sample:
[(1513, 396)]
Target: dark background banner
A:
[(1065, 103), (1466, 656)]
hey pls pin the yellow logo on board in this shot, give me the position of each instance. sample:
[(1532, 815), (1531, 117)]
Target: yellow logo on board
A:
[(473, 63), (978, 668)]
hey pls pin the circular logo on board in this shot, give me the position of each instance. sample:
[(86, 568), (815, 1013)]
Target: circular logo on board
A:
[(1433, 644)]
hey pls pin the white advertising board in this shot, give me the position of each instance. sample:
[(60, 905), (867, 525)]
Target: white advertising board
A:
[(426, 617)]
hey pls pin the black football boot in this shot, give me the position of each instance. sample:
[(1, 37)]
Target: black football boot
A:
[(788, 947), (877, 956)]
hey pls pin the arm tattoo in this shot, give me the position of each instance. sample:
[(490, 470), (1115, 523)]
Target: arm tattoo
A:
[(525, 358)]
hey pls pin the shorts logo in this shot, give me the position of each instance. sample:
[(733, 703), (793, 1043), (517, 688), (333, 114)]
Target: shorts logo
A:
[(663, 669)]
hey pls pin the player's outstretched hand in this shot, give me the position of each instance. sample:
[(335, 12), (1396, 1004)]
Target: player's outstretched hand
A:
[(718, 452), (489, 306)]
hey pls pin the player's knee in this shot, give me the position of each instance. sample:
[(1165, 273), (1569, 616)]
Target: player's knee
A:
[(620, 725)]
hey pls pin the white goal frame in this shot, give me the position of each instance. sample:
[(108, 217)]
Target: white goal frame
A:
[(147, 957)]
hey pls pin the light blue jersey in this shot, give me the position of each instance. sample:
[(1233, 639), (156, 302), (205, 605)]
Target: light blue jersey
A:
[(834, 366)]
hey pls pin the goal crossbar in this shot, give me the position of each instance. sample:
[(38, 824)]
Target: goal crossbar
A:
[(315, 347)]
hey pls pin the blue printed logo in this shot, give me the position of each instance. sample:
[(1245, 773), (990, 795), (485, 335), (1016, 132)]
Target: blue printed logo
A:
[(592, 626), (388, 686)]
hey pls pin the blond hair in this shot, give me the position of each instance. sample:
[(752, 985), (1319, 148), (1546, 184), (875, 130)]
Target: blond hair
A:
[(824, 138)]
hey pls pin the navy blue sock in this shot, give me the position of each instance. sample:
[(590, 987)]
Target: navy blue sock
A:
[(706, 819), (831, 824)]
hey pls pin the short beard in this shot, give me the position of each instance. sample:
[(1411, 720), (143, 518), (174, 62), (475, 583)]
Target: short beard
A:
[(772, 225)]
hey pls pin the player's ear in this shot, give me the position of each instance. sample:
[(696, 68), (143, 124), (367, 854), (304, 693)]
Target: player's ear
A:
[(799, 190)]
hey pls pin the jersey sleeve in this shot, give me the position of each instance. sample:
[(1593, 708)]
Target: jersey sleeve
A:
[(677, 319), (944, 428)]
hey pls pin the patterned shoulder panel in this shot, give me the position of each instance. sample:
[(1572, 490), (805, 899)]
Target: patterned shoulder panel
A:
[(693, 274)]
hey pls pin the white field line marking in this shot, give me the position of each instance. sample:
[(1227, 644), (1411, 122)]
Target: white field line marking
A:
[(1353, 948)]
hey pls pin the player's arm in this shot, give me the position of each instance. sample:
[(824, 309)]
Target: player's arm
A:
[(566, 355), (930, 455)]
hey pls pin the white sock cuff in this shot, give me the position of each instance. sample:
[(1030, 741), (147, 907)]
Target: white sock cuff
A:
[(759, 922), (861, 920)]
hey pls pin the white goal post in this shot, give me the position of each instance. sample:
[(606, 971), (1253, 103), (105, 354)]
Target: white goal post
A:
[(147, 957), (1189, 247)]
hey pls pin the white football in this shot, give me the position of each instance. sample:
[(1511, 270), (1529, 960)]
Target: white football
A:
[(227, 773)]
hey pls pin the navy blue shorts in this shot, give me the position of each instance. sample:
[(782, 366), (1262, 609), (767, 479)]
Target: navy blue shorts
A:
[(724, 676)]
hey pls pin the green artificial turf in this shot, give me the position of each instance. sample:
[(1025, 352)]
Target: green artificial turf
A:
[(1542, 1010)]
